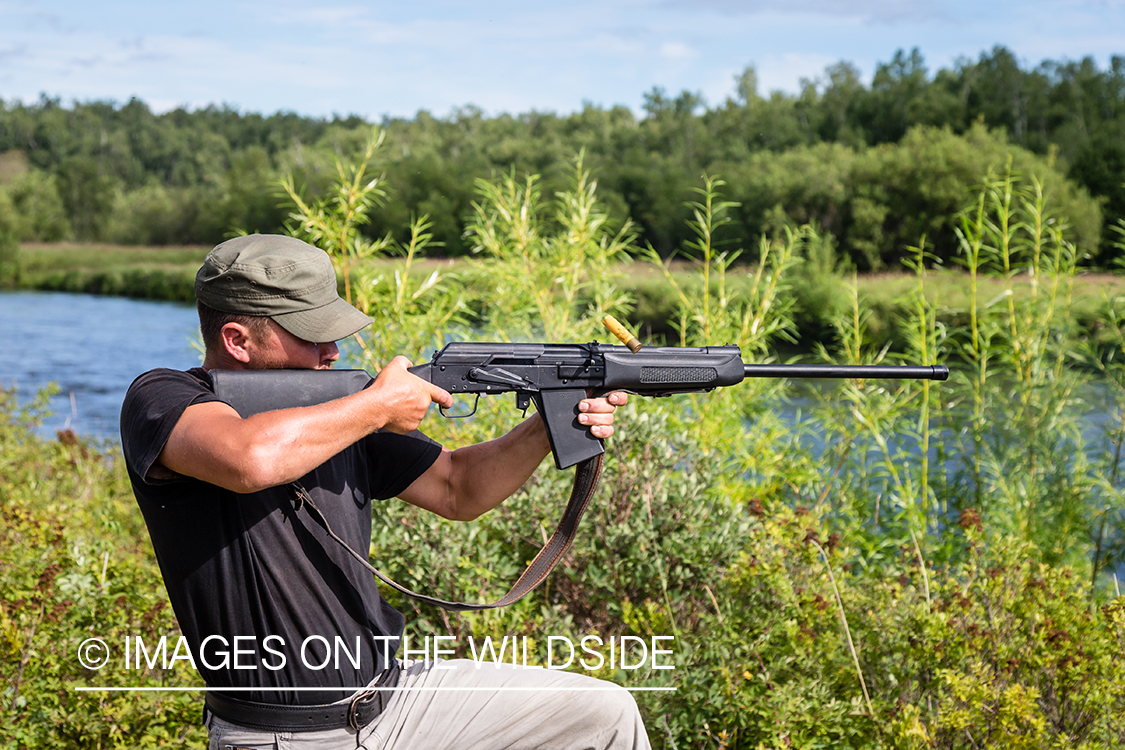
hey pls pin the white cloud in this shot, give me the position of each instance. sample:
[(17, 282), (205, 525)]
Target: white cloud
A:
[(330, 17), (13, 52), (677, 51), (609, 43), (784, 72), (503, 55), (886, 11)]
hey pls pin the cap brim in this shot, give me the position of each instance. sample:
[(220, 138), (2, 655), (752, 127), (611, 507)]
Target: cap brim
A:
[(332, 322)]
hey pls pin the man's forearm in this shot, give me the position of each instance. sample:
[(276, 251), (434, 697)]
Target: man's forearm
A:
[(211, 442), (469, 481), (486, 474)]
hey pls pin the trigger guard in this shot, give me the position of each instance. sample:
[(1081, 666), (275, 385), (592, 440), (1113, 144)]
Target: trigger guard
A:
[(444, 413)]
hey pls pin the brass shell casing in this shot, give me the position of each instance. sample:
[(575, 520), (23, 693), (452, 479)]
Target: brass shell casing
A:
[(622, 333)]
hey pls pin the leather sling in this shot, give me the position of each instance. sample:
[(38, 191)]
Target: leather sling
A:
[(243, 390)]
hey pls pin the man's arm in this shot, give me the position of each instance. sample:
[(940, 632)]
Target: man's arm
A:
[(465, 483), (213, 443)]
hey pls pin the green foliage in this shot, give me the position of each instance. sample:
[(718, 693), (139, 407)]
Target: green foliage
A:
[(912, 189), (77, 564), (153, 215), (878, 201), (1107, 355), (87, 192), (898, 565), (538, 272), (41, 216), (166, 273), (994, 651), (9, 241), (409, 312), (817, 157), (1028, 455), (819, 297)]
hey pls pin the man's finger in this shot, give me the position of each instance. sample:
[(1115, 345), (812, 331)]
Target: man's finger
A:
[(603, 405), (441, 396)]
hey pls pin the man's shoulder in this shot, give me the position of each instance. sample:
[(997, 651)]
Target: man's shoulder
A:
[(152, 406), (161, 393), (196, 377), (164, 383)]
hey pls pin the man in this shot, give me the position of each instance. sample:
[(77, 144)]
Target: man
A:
[(274, 609)]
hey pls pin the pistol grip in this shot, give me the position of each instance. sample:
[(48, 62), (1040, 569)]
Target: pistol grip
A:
[(571, 442)]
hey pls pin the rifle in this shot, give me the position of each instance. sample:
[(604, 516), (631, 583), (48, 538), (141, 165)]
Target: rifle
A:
[(556, 377)]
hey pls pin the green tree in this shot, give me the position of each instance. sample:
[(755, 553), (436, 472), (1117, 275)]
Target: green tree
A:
[(87, 193), (9, 240), (39, 208)]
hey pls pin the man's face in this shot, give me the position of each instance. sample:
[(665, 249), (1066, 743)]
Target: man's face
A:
[(278, 349)]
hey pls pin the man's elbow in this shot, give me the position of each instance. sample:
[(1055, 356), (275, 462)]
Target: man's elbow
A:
[(461, 514), (456, 505), (258, 469)]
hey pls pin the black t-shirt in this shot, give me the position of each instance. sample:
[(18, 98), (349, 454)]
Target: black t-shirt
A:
[(253, 578)]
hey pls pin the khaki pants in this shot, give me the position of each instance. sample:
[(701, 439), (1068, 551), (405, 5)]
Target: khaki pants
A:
[(456, 704)]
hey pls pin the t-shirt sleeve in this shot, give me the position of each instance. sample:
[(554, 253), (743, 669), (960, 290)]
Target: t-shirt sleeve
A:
[(394, 461), (153, 405)]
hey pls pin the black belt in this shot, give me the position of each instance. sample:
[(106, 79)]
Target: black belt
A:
[(363, 709)]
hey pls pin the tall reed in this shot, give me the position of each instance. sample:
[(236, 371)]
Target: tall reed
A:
[(550, 274), (411, 310)]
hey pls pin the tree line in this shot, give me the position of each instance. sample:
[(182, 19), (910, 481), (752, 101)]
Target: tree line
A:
[(878, 166)]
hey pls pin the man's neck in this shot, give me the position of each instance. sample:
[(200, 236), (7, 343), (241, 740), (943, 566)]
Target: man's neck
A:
[(221, 361)]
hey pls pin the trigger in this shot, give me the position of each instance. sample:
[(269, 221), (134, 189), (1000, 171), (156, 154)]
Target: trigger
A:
[(523, 400)]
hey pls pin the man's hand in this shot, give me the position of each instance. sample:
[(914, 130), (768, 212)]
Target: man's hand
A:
[(405, 398), (598, 413)]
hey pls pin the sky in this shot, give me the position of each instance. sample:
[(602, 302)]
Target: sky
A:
[(379, 59)]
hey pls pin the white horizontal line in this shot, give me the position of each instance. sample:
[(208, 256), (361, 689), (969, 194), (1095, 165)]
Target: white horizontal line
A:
[(354, 689)]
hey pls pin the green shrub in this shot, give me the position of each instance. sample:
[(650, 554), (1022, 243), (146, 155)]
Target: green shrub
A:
[(917, 186), (995, 651), (879, 201), (77, 564)]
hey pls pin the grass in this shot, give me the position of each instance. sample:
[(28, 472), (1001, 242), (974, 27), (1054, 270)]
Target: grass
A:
[(949, 288), (40, 258), (166, 273)]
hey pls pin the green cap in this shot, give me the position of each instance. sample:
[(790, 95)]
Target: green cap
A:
[(281, 278)]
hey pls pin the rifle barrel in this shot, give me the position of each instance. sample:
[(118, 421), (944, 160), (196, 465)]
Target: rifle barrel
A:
[(894, 372)]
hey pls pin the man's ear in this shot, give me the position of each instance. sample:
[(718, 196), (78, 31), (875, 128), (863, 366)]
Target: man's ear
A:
[(237, 341)]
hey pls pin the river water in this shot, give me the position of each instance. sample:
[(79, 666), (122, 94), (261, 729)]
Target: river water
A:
[(92, 347)]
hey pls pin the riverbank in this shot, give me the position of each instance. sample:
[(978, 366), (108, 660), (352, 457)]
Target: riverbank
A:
[(168, 274), (135, 271)]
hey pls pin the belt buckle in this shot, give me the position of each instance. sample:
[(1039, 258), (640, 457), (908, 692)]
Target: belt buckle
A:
[(359, 710)]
